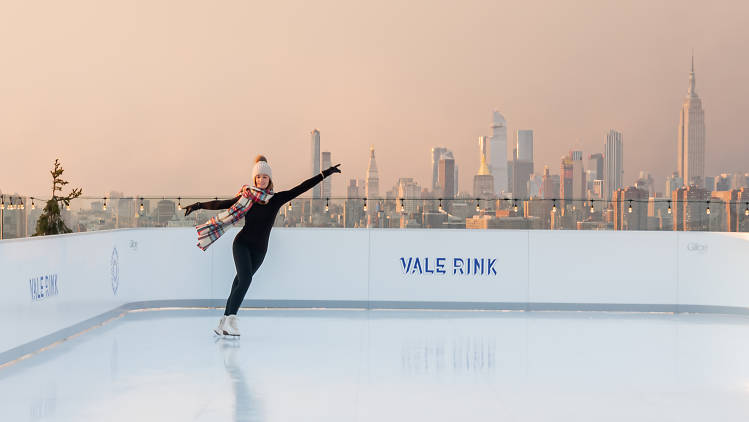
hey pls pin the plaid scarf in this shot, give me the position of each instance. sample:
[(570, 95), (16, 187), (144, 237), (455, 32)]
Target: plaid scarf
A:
[(214, 228)]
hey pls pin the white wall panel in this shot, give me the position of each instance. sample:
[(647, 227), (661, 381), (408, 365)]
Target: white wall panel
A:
[(714, 269), (602, 267), (169, 265), (301, 264)]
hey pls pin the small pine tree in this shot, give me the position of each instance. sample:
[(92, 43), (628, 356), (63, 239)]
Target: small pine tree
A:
[(50, 222)]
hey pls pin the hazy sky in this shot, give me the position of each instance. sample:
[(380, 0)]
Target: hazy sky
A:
[(160, 97)]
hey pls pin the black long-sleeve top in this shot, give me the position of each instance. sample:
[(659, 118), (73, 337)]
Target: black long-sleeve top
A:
[(260, 218)]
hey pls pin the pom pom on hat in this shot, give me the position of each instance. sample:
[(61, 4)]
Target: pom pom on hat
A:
[(261, 167)]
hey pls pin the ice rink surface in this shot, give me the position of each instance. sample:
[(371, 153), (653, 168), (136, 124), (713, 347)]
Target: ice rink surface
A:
[(379, 365)]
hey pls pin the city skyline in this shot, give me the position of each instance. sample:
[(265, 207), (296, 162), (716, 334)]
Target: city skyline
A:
[(522, 148), (134, 110)]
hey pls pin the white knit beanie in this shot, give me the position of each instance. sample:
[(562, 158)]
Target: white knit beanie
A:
[(261, 167)]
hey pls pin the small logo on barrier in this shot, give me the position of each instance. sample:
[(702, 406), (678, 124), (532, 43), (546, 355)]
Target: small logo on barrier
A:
[(697, 247), (114, 270), (134, 245), (43, 287)]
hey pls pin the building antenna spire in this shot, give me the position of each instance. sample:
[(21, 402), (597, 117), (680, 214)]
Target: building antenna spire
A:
[(691, 90)]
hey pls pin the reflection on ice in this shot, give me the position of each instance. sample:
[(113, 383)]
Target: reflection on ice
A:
[(246, 407), (442, 355), (42, 406)]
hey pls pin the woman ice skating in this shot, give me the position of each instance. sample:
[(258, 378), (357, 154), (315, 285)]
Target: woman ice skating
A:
[(259, 205)]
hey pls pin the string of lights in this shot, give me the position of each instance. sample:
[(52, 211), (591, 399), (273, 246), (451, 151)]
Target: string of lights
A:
[(107, 210), (16, 202)]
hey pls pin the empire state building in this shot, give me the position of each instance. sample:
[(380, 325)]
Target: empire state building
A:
[(691, 154)]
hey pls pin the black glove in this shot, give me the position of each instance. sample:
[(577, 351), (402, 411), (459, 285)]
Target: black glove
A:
[(192, 207), (330, 170)]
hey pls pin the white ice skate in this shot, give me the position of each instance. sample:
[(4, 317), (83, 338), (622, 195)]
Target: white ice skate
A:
[(220, 329), (231, 327)]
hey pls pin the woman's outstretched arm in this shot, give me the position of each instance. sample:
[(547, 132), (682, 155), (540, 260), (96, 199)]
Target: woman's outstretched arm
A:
[(288, 195), (219, 204)]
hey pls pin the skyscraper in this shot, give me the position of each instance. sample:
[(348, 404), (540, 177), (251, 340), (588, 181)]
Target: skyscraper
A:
[(572, 177), (352, 191), (596, 191), (565, 178), (646, 181), (165, 210), (315, 151), (723, 183), (595, 165), (689, 208), (483, 147), (578, 175), (735, 202), (498, 152), (522, 164), (447, 176), (326, 182), (613, 169), (125, 212), (630, 209), (437, 153), (483, 181), (352, 209), (709, 183), (673, 182), (691, 143), (534, 186), (373, 180), (455, 177), (547, 185), (525, 145), (409, 191)]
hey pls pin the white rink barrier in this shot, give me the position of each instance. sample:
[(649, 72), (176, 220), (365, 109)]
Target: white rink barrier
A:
[(55, 286)]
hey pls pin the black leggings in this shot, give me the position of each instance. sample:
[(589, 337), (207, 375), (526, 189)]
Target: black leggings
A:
[(247, 261)]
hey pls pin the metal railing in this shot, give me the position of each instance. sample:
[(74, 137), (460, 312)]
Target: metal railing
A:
[(19, 214)]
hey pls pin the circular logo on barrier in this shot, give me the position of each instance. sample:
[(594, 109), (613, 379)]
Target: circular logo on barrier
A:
[(114, 270)]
